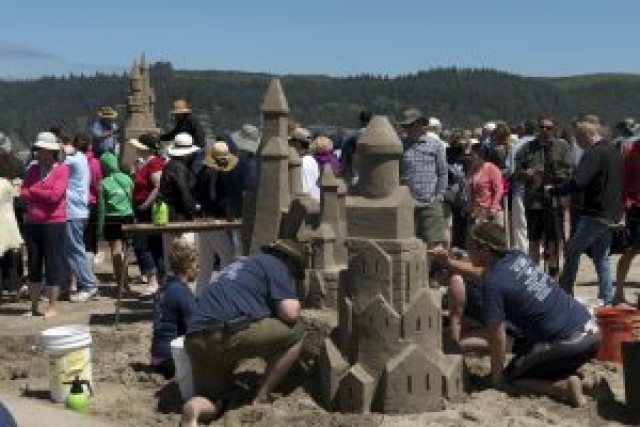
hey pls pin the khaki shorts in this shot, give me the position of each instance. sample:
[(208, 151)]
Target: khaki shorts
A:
[(215, 355), (430, 224)]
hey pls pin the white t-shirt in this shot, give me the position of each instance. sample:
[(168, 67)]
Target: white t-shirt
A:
[(310, 176)]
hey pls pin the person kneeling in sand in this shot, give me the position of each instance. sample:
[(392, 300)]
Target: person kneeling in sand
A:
[(557, 331), (173, 306), (250, 310)]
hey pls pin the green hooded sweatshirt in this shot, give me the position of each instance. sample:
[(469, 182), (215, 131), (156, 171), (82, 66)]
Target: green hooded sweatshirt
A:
[(114, 195)]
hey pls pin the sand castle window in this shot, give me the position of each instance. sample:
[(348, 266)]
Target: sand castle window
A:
[(427, 382), (457, 384), (350, 392), (429, 322), (371, 319), (418, 325), (409, 385), (444, 386), (376, 266), (386, 322)]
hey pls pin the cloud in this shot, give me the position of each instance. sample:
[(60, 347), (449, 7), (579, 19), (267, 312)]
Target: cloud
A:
[(10, 50)]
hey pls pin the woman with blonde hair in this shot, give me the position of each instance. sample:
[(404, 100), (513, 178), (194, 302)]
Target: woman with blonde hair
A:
[(322, 149)]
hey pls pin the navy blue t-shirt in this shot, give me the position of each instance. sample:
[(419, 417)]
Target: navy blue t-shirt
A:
[(173, 306), (519, 292), (248, 288)]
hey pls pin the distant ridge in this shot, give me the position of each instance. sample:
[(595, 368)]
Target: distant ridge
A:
[(224, 99)]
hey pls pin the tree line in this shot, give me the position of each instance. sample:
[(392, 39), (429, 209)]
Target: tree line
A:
[(459, 97)]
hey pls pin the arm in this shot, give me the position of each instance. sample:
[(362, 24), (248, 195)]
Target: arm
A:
[(588, 167), (442, 171), (497, 350), (497, 186), (289, 311), (185, 194), (460, 266), (155, 180), (54, 187)]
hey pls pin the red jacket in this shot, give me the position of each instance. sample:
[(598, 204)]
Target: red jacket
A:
[(46, 198)]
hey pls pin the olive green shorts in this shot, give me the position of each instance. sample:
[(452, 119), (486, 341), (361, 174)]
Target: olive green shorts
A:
[(215, 355), (429, 222)]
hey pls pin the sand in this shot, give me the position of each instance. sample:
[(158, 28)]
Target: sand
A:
[(127, 394)]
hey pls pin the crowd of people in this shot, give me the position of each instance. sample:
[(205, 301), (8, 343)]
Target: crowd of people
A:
[(491, 204)]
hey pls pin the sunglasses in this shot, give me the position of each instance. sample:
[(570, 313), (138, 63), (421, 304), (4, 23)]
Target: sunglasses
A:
[(546, 127)]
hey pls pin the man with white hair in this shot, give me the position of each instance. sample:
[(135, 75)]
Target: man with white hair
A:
[(599, 177)]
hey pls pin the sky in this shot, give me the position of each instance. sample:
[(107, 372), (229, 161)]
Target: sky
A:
[(332, 37)]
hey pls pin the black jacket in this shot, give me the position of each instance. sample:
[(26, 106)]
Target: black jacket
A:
[(599, 177), (176, 189), (187, 124)]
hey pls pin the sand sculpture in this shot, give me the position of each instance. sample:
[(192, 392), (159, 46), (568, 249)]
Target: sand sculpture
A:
[(386, 354), (140, 110)]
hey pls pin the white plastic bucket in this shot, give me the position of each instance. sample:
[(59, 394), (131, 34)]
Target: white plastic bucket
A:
[(183, 377), (68, 349)]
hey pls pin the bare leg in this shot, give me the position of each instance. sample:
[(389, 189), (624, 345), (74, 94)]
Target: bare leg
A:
[(197, 408), (534, 251), (624, 264), (277, 368), (54, 293), (568, 390), (457, 302)]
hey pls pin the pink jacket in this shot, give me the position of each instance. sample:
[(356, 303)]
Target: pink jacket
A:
[(46, 198), (95, 170)]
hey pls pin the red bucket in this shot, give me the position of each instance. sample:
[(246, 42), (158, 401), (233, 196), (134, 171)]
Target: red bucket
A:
[(617, 325)]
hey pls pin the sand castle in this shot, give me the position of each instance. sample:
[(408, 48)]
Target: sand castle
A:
[(386, 355)]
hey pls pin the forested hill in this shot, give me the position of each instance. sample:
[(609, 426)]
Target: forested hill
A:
[(226, 99)]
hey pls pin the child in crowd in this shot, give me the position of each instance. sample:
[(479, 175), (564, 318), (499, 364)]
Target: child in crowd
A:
[(173, 305)]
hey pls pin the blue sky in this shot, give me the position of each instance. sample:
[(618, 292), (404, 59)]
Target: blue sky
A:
[(335, 37)]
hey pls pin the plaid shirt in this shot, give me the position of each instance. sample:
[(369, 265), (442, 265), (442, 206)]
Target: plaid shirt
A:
[(423, 169)]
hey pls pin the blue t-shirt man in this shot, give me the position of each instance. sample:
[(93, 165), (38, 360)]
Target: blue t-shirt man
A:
[(249, 289), (517, 291)]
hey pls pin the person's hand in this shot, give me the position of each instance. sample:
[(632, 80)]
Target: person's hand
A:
[(438, 253)]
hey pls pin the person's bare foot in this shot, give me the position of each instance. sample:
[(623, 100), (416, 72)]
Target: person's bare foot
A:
[(195, 408), (574, 392), (189, 416)]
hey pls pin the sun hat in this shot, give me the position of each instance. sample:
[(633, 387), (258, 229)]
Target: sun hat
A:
[(434, 123), (218, 157), (411, 116), (247, 138), (107, 113), (489, 126), (182, 145), (47, 141), (180, 107)]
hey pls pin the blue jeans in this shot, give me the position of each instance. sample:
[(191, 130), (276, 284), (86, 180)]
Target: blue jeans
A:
[(594, 233), (148, 249), (76, 257)]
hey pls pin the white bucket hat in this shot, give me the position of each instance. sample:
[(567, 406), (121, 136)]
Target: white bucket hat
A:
[(47, 141), (247, 138), (182, 146)]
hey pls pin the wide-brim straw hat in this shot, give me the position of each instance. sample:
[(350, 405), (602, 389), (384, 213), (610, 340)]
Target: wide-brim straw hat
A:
[(107, 113), (47, 141), (247, 138), (412, 116), (218, 157), (182, 145), (180, 107)]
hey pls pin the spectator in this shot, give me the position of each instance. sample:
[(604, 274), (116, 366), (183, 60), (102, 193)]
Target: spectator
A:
[(114, 210), (300, 139), (44, 192), (148, 249), (219, 192), (12, 169), (173, 306), (631, 153), (250, 310), (185, 123), (247, 139), (599, 177), (76, 260), (485, 188), (322, 149), (543, 161), (423, 168), (105, 132), (10, 239), (348, 172), (95, 171)]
